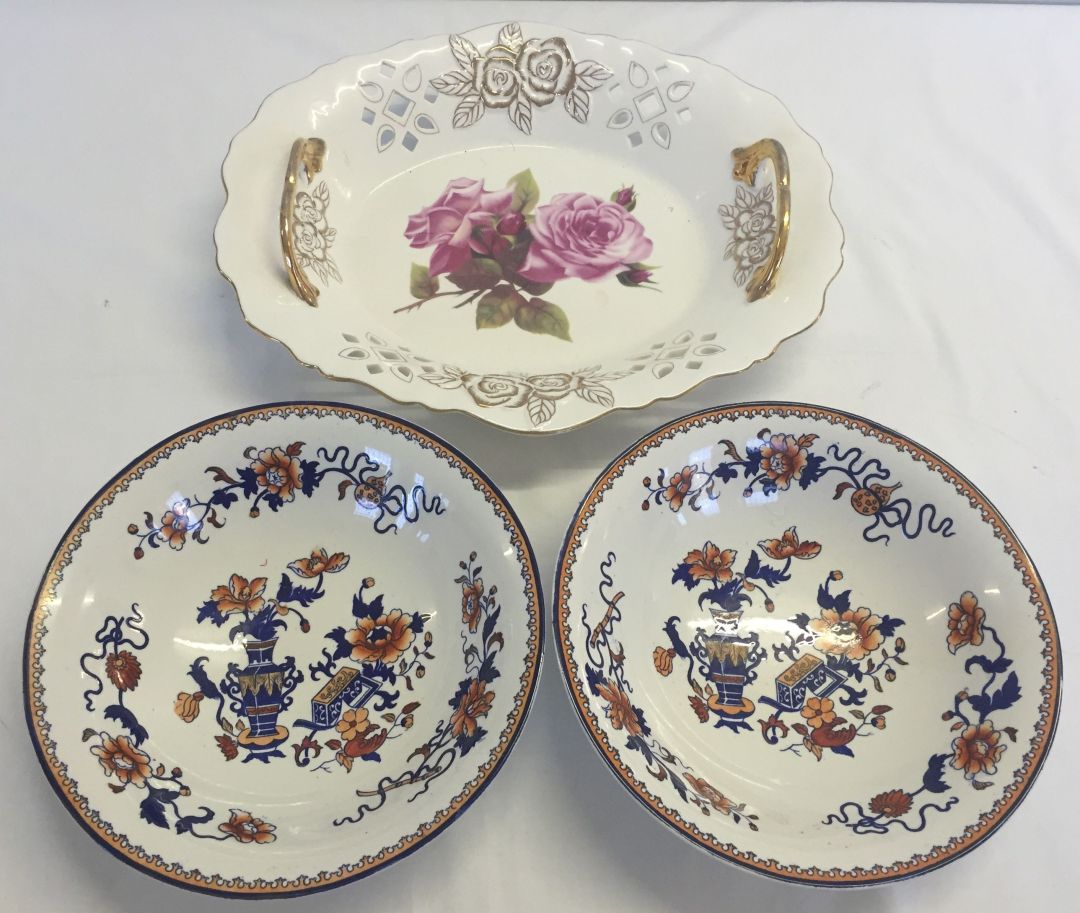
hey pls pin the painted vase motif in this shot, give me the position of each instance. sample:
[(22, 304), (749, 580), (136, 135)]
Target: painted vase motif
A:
[(260, 692)]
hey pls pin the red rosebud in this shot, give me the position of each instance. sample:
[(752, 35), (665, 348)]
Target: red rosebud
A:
[(511, 223), (625, 197), (305, 626)]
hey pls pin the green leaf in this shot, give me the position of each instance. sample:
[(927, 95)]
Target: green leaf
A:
[(422, 285), (534, 288), (539, 316), (526, 192), (478, 273), (513, 258), (498, 307)]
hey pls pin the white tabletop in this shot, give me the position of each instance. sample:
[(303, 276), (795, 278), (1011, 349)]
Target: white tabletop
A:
[(954, 133)]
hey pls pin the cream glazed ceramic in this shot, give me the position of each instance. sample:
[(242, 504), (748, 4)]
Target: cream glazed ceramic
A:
[(282, 649), (526, 223), (807, 643)]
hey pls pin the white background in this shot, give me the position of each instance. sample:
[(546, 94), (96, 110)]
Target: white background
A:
[(954, 133)]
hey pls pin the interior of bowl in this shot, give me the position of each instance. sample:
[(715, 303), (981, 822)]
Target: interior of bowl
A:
[(283, 649), (537, 269), (807, 643)]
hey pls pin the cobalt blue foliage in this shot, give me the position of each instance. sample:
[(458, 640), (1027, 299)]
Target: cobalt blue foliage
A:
[(889, 625), (344, 648), (595, 678), (222, 498), (152, 811), (488, 673), (250, 481), (987, 665), (287, 592), (465, 742), (1005, 696), (489, 624), (127, 719), (199, 675), (208, 611), (681, 574), (934, 779), (812, 471), (309, 476), (725, 472)]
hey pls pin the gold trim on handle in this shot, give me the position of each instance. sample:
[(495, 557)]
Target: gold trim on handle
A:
[(311, 153), (747, 161)]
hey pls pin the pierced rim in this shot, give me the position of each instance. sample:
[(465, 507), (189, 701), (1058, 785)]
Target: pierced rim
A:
[(489, 415)]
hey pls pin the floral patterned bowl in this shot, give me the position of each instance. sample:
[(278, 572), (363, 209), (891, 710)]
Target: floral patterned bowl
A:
[(807, 643), (237, 680), (528, 224)]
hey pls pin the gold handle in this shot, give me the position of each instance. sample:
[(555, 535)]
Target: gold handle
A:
[(310, 153), (747, 160)]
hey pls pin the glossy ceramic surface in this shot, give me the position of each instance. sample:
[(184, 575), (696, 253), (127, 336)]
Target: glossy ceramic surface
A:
[(807, 643), (282, 649), (528, 224)]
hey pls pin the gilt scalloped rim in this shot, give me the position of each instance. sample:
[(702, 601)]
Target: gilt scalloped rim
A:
[(119, 844), (917, 864)]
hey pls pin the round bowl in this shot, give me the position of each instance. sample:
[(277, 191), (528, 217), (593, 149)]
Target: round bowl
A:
[(807, 643), (282, 649)]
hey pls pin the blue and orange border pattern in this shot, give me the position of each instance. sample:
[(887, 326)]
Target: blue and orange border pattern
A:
[(1050, 688), (118, 844)]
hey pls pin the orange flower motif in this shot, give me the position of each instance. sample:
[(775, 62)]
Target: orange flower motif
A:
[(619, 710), (123, 669), (319, 563), (186, 706), (710, 563), (247, 829), (678, 486), (789, 546), (175, 523), (891, 804), (119, 758), (471, 596), (384, 638), (710, 794), (783, 458), (977, 750), (818, 711), (277, 472), (965, 622), (472, 705), (662, 659), (852, 633), (241, 595), (354, 723)]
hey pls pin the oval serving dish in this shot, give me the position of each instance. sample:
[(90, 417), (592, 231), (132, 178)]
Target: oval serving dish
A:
[(236, 679), (528, 224), (807, 643)]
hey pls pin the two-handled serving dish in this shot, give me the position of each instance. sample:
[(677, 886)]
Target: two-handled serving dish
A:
[(526, 223)]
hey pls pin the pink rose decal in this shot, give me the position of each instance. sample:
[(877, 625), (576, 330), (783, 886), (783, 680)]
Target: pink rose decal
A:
[(579, 236), (450, 221), (503, 251)]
